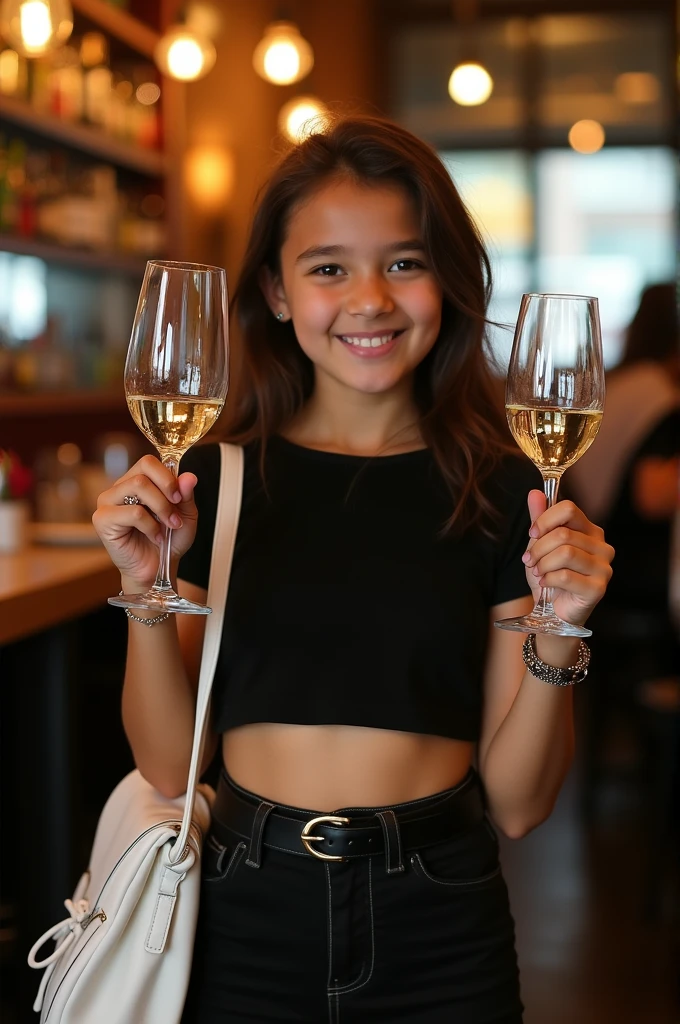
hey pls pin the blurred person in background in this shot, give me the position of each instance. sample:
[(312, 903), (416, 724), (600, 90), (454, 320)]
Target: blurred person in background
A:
[(628, 480)]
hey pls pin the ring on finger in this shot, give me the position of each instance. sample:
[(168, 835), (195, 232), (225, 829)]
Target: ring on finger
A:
[(131, 499)]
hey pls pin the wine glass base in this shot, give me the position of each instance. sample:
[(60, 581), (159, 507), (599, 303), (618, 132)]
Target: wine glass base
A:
[(551, 624), (151, 602)]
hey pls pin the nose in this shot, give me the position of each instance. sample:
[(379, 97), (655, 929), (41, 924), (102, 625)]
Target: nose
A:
[(369, 297)]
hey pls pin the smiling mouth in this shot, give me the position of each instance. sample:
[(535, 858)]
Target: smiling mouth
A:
[(369, 340)]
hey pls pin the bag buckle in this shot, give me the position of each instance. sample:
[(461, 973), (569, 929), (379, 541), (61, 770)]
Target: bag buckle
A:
[(307, 839)]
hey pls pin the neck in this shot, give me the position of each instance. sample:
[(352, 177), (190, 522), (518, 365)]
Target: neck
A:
[(339, 419)]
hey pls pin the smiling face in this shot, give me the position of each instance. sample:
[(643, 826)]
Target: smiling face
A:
[(356, 282)]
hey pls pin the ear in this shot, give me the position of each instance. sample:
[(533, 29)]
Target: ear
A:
[(273, 291)]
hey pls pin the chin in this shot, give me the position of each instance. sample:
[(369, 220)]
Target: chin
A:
[(377, 385)]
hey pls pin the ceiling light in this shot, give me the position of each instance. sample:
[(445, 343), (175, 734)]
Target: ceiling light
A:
[(184, 55), (283, 56), (586, 136), (34, 27), (301, 117), (470, 84)]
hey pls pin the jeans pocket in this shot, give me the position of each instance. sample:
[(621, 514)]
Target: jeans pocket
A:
[(466, 862), (220, 861)]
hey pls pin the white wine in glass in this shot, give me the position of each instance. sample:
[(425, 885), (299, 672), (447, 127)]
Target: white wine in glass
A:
[(554, 402), (176, 380)]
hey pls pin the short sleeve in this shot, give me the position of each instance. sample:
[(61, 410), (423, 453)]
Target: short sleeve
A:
[(515, 481), (204, 462)]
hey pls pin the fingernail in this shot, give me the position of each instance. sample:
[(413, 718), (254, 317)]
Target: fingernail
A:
[(176, 496), (175, 521), (537, 572), (526, 557), (159, 538), (533, 532)]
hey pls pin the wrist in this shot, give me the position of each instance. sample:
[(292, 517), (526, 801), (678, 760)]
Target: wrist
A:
[(128, 585), (560, 651)]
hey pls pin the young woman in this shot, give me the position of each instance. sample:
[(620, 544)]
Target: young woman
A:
[(384, 527)]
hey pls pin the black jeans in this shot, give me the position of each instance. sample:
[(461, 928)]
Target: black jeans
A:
[(300, 939)]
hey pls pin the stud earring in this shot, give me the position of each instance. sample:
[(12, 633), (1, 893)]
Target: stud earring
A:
[(279, 317)]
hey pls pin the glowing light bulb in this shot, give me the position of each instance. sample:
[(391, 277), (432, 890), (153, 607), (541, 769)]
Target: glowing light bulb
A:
[(586, 136), (470, 84), (282, 62), (34, 27), (282, 56), (184, 55), (301, 117)]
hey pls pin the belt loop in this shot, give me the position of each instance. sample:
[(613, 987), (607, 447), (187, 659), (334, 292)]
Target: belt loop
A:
[(393, 857), (254, 858)]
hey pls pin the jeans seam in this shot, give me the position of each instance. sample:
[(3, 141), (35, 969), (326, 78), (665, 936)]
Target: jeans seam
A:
[(238, 852), (330, 927), (354, 986), (470, 883)]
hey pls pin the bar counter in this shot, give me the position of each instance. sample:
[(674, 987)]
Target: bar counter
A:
[(43, 586)]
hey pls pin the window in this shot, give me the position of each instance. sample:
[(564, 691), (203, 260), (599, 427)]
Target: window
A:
[(602, 224)]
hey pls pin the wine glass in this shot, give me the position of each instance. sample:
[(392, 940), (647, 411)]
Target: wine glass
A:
[(554, 401), (176, 379)]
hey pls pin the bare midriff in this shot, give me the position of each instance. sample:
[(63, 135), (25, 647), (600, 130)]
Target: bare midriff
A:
[(327, 767)]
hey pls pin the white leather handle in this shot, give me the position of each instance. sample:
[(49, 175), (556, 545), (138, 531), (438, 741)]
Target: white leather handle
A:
[(224, 540)]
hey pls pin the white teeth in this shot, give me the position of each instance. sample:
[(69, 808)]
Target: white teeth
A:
[(368, 342)]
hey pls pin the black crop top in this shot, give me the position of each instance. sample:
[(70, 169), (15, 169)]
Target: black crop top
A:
[(345, 604)]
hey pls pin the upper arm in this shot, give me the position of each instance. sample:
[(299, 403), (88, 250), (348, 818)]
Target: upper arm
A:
[(503, 671)]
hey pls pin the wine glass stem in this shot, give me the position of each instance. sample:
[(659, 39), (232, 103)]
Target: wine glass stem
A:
[(551, 485), (162, 582)]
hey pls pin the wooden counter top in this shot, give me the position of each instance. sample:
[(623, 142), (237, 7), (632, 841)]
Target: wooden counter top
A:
[(43, 586)]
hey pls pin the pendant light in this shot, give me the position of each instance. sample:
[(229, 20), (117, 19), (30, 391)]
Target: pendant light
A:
[(283, 56), (34, 27), (184, 54), (470, 84), (301, 117)]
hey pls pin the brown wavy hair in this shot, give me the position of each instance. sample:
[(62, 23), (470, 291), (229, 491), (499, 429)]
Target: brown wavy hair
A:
[(460, 418)]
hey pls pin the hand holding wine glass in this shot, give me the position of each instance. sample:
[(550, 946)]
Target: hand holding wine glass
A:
[(554, 403), (176, 379)]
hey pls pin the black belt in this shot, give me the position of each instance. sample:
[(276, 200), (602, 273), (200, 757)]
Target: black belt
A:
[(339, 837)]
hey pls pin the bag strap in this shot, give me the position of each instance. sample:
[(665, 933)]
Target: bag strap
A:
[(224, 539)]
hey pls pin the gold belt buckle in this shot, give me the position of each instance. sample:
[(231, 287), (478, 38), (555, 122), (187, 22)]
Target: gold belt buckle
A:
[(307, 840)]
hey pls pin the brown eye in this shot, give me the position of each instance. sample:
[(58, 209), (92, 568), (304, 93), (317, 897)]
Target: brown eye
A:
[(406, 264), (328, 270)]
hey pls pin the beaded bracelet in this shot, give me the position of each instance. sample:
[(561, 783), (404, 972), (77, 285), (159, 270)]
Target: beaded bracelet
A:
[(145, 622), (551, 673)]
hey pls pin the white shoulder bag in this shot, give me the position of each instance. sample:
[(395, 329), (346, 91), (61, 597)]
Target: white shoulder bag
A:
[(124, 952)]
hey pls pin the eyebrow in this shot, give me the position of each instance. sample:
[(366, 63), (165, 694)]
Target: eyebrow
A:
[(324, 251)]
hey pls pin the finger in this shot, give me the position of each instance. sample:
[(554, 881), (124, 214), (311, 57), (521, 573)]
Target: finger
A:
[(186, 483), (563, 536), (564, 513), (114, 522), (159, 474), (590, 589), (537, 502), (567, 556), (141, 487)]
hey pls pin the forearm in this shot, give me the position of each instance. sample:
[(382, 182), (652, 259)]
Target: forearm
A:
[(158, 705), (528, 758)]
